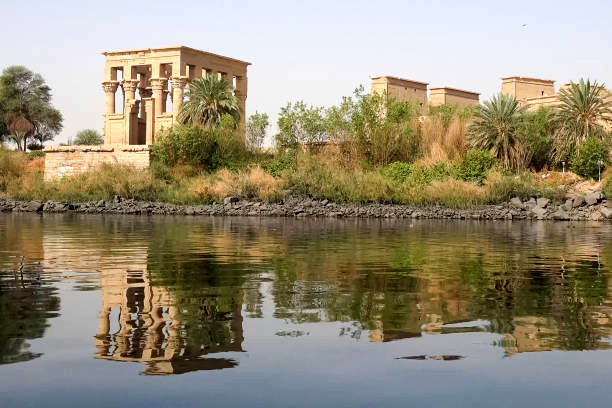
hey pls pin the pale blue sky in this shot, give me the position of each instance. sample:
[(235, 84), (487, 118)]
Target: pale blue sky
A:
[(316, 51)]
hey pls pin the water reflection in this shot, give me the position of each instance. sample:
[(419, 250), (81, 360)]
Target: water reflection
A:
[(175, 293)]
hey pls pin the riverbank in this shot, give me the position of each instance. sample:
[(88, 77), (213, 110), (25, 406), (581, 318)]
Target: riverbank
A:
[(592, 207)]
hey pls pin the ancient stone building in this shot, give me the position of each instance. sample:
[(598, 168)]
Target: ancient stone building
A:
[(401, 89), (146, 78), (452, 96), (143, 93), (530, 92)]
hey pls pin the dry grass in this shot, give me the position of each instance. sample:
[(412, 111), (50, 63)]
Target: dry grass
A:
[(252, 183), (439, 143)]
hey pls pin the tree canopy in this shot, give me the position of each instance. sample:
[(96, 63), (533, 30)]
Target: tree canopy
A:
[(88, 137), (208, 100), (26, 98)]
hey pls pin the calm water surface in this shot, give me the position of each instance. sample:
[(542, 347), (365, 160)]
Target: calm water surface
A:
[(137, 311)]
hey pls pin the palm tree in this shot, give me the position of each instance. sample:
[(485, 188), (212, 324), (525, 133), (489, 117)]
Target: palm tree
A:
[(584, 110), (208, 99), (495, 128), (19, 127)]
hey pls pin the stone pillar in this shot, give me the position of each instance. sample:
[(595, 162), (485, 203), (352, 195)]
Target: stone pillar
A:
[(157, 86), (145, 93), (150, 120), (241, 95), (129, 89), (178, 86), (110, 87)]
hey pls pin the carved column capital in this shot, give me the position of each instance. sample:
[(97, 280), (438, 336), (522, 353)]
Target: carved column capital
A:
[(129, 85), (178, 82), (145, 92), (110, 86), (158, 84)]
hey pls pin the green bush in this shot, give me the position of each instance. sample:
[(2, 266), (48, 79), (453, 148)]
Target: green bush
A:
[(417, 174), (585, 162), (210, 149), (523, 185), (35, 154), (279, 164), (475, 165)]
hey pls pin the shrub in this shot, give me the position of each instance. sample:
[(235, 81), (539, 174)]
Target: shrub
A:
[(279, 164), (475, 165), (502, 187), (399, 172), (35, 154), (208, 148), (13, 165), (591, 152)]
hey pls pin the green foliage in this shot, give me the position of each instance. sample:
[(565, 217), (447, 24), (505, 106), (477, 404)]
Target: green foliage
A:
[(380, 129), (447, 113), (524, 186), (208, 100), (256, 129), (88, 137), (210, 149), (496, 128), (300, 123), (536, 130), (417, 174), (583, 111), (590, 153), (280, 164), (35, 154), (475, 165), (24, 96)]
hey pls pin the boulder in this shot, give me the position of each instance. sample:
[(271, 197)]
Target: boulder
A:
[(568, 205), (542, 202), (592, 198), (539, 212), (560, 215), (34, 206), (516, 202), (578, 201), (230, 200), (606, 212)]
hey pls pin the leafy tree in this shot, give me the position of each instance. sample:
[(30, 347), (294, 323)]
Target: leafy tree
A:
[(584, 110), (208, 100), (496, 128), (256, 129), (300, 123), (591, 156), (88, 137), (537, 131), (24, 94)]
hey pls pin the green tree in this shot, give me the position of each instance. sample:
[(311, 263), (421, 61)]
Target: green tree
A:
[(256, 129), (25, 94), (537, 131), (495, 128), (208, 100), (88, 137), (584, 110), (300, 123)]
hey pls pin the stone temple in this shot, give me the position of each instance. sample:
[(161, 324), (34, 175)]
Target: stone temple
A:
[(144, 90), (147, 77)]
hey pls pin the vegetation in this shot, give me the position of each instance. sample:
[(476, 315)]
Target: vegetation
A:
[(365, 149), (256, 127), (208, 100), (496, 128), (88, 137), (26, 114), (584, 111)]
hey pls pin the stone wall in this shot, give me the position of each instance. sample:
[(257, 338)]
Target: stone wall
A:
[(63, 161)]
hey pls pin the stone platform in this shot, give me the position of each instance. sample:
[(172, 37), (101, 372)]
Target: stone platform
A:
[(63, 161)]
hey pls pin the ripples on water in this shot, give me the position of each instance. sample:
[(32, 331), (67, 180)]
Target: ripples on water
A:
[(298, 303)]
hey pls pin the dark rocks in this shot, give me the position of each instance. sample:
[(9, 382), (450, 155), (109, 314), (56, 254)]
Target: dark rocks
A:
[(593, 198), (542, 202), (578, 202), (561, 215), (230, 200)]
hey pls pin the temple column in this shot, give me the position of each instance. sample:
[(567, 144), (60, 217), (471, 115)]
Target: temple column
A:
[(157, 86), (129, 89), (241, 95), (110, 87), (178, 86), (145, 93)]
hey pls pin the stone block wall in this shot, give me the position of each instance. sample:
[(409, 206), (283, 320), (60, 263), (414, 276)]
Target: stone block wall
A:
[(63, 161)]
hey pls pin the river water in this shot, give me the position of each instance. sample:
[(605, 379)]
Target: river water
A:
[(147, 312)]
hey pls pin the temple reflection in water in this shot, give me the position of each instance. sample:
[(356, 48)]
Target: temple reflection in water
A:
[(174, 292)]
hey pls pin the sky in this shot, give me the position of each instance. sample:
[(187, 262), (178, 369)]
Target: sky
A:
[(315, 51)]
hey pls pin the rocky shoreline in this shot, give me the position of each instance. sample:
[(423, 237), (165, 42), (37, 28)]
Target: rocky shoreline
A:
[(592, 207)]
